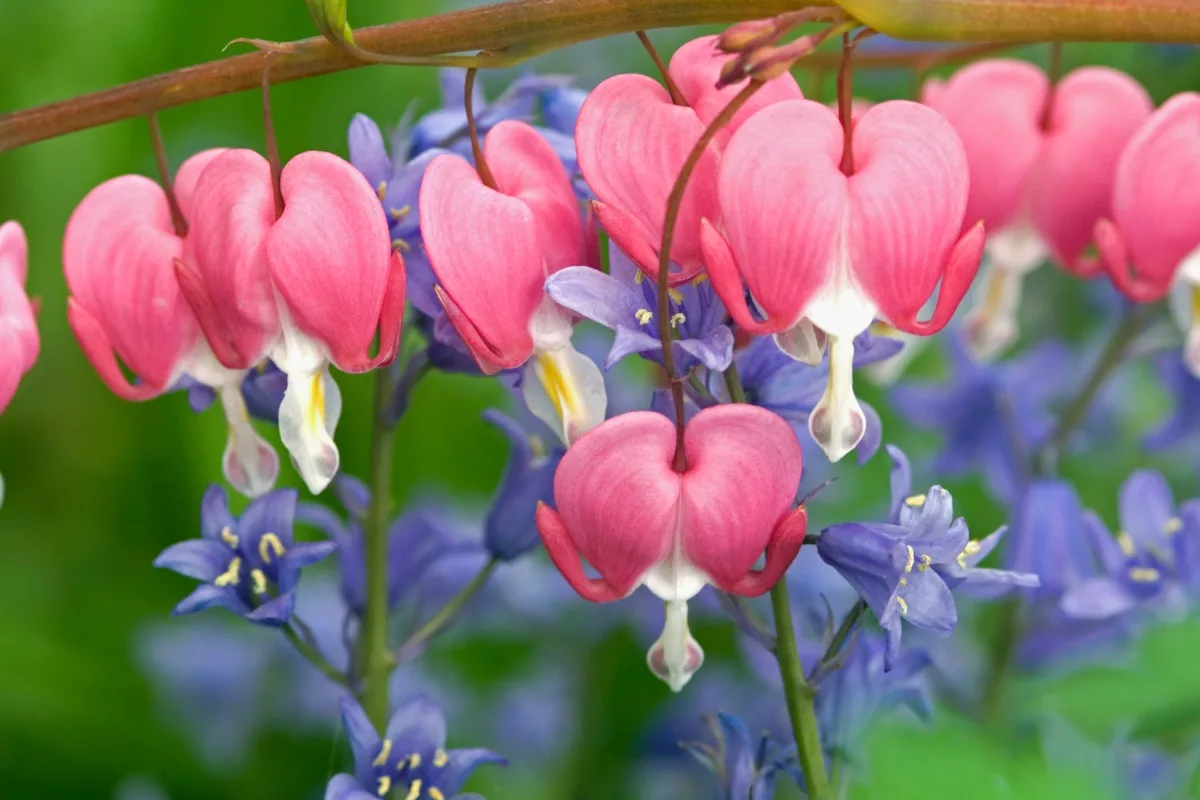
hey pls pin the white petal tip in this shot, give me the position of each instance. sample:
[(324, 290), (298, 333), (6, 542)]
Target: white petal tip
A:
[(565, 389), (838, 424), (804, 342), (676, 656)]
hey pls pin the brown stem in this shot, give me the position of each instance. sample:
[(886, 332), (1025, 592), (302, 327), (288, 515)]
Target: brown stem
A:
[(674, 201), (272, 144), (672, 89), (164, 176), (1054, 72), (481, 166), (845, 94)]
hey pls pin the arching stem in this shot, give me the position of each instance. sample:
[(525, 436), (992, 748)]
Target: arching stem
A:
[(672, 89), (272, 144), (164, 176), (481, 166)]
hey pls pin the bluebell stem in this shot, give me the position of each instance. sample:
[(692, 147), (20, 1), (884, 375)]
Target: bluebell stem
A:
[(745, 768), (249, 564)]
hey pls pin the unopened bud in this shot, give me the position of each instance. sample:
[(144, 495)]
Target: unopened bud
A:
[(742, 37), (733, 72), (771, 62)]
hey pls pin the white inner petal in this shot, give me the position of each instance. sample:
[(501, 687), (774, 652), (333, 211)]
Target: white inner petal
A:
[(1017, 248)]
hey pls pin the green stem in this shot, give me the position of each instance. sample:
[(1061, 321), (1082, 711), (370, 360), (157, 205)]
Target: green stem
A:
[(799, 696), (733, 382), (314, 656), (377, 657), (448, 612)]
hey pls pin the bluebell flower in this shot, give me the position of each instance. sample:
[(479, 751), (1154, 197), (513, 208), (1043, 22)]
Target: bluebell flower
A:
[(625, 302), (745, 768), (906, 568), (416, 540), (991, 416), (262, 389), (411, 759), (509, 530), (250, 564), (1154, 558), (792, 389), (1183, 426)]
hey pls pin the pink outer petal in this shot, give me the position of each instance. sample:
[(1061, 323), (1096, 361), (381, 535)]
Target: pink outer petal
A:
[(484, 248), (330, 255), (961, 269), (781, 165), (908, 195), (119, 255), (696, 68), (526, 167), (99, 352), (14, 251), (188, 175), (19, 342), (195, 291), (744, 466), (1094, 114), (727, 282), (618, 499), (1114, 255), (566, 557), (631, 142), (782, 550), (233, 209), (995, 106), (1156, 200)]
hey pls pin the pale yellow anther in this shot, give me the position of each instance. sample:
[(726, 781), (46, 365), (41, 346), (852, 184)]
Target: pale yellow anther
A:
[(916, 501), (971, 549), (925, 562), (638, 277), (414, 790), (903, 582), (414, 760), (677, 319), (230, 576), (229, 537), (675, 295), (1143, 574), (900, 601), (436, 793), (381, 190), (440, 759), (699, 279), (260, 581), (1125, 542), (261, 367), (643, 315), (385, 786), (908, 565), (385, 753), (1173, 525), (401, 212), (882, 329), (400, 244), (537, 446), (269, 543)]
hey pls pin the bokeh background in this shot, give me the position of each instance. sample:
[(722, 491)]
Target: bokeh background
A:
[(97, 487)]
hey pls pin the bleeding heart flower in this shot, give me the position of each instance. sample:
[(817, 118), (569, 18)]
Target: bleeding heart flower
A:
[(632, 141), (120, 252), (1042, 163), (623, 506), (872, 243), (19, 343), (1155, 222), (492, 250), (338, 281)]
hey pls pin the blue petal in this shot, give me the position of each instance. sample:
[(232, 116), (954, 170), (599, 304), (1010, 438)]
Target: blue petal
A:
[(206, 596), (901, 480), (509, 528), (273, 512), (364, 741), (868, 446), (353, 494), (596, 296), (871, 557), (320, 517), (201, 559), (403, 190), (263, 391), (933, 531), (627, 342), (930, 604), (739, 767), (274, 612), (416, 726), (1097, 598), (1145, 507), (714, 351), (308, 553), (560, 108), (346, 787), (214, 512), (462, 764), (1048, 537), (564, 147), (368, 153)]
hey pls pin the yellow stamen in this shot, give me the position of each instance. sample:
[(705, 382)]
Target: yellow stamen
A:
[(440, 759), (381, 190), (436, 793), (925, 562), (1143, 574), (400, 244), (882, 329), (1173, 525), (414, 760), (1125, 542), (994, 294), (230, 576), (916, 501), (558, 387), (537, 446), (414, 790), (1195, 304), (675, 295), (385, 786), (644, 315), (677, 319), (260, 581), (971, 549), (401, 212), (267, 544), (911, 558), (699, 279), (261, 367), (638, 277), (229, 537), (900, 601), (903, 582), (316, 412), (384, 753)]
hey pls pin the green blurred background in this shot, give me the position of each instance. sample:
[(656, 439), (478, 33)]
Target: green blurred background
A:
[(97, 486)]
